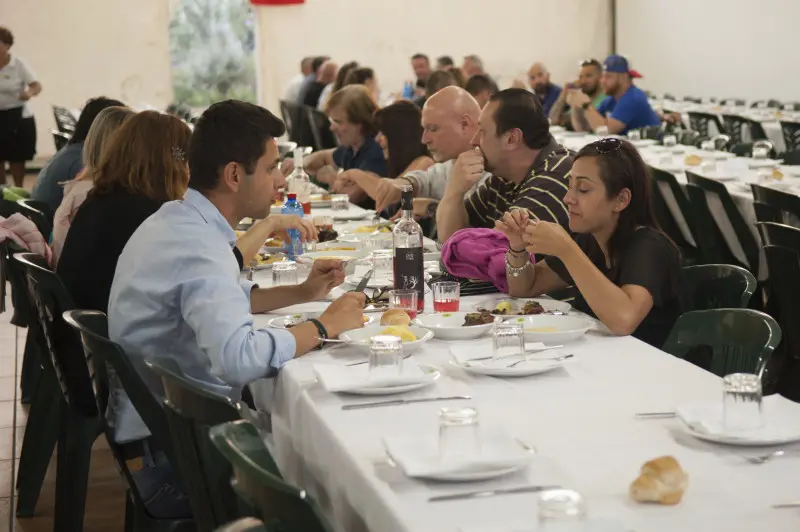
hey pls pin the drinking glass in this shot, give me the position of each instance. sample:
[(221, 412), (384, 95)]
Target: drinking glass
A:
[(670, 141), (601, 131), (760, 152), (561, 510), (634, 134), (377, 241), (741, 402), (405, 300), (459, 435), (385, 356), (707, 145), (383, 264), (508, 339), (284, 273), (340, 202), (446, 296)]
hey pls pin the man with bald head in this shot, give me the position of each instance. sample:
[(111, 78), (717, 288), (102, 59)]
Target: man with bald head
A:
[(530, 170), (325, 75), (449, 121), (548, 93)]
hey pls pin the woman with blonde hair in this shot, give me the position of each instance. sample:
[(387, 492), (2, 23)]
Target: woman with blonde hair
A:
[(103, 128), (143, 167)]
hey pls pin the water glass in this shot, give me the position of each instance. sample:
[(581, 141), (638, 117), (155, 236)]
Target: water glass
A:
[(284, 273), (601, 131), (385, 356), (404, 299), (670, 141), (382, 264), (741, 402), (760, 152), (446, 296), (508, 339), (634, 134), (708, 145), (340, 202), (459, 434), (561, 510), (378, 241)]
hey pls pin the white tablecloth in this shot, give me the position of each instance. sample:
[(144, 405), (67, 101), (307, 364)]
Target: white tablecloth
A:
[(580, 418)]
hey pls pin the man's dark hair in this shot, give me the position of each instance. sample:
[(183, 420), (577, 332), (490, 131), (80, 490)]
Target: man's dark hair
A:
[(445, 61), (421, 56), (480, 83), (6, 37), (520, 109), (437, 81), (317, 62), (229, 131), (593, 63), (88, 114)]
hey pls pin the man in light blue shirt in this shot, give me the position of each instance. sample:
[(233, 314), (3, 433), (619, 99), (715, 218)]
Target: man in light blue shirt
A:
[(177, 290)]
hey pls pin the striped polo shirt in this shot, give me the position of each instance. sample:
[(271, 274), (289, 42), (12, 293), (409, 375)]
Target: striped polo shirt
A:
[(541, 193)]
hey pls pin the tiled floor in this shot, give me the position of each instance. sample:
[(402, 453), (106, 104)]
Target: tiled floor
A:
[(105, 502)]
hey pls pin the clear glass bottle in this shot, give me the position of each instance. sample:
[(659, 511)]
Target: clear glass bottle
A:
[(407, 246), (299, 183)]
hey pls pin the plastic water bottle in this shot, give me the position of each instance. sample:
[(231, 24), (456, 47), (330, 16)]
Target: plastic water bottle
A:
[(408, 90), (294, 246)]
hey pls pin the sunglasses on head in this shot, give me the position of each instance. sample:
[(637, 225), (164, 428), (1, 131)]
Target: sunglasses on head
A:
[(607, 145)]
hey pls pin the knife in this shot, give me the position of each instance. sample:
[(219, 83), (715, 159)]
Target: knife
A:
[(530, 351), (396, 402), (490, 493), (362, 284)]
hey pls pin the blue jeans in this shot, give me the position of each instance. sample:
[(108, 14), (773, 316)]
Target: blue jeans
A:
[(161, 489)]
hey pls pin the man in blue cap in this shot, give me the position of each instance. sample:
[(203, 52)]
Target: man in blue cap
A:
[(626, 107)]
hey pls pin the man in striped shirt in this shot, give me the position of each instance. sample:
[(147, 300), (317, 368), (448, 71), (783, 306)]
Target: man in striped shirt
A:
[(530, 170)]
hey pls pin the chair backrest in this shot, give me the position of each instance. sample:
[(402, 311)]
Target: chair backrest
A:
[(688, 138), (39, 213), (736, 126), (666, 182), (256, 481), (784, 297), (742, 232), (778, 234), (788, 205), (763, 104), (297, 126), (733, 102), (64, 119), (191, 409), (652, 132), (767, 213), (320, 129), (792, 157), (111, 365), (60, 139), (701, 122), (715, 286), (791, 134), (710, 243), (59, 342), (13, 272), (725, 341)]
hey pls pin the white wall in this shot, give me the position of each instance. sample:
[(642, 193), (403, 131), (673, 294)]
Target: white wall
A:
[(509, 35), (84, 48), (723, 48)]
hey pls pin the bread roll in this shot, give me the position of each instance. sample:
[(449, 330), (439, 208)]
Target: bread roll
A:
[(692, 160), (395, 316), (662, 481)]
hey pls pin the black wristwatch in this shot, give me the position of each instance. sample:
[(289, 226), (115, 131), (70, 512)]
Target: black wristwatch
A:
[(586, 105), (431, 212)]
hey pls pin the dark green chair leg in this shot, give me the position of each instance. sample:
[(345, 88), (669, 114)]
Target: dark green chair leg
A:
[(41, 436), (78, 434), (30, 373)]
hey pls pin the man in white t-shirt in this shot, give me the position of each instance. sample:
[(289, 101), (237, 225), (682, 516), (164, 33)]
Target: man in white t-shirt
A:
[(292, 92)]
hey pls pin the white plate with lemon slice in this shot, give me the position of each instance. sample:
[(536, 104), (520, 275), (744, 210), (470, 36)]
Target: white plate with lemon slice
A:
[(413, 336)]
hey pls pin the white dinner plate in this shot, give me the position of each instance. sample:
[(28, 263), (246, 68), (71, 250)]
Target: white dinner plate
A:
[(450, 326), (392, 390), (359, 338), (351, 214), (344, 256), (550, 329), (791, 170), (373, 282), (550, 305), (500, 368), (727, 439), (474, 476), (289, 320), (643, 143), (357, 238), (755, 164)]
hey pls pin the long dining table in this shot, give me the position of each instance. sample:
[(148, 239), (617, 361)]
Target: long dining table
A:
[(580, 420)]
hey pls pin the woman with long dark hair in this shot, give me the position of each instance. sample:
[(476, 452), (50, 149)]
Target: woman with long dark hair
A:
[(400, 136), (627, 271)]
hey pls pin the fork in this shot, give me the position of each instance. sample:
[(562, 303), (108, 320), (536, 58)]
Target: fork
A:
[(554, 359), (764, 458)]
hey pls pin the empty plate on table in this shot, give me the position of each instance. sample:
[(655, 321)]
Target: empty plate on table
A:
[(373, 282), (754, 164), (781, 423), (510, 366), (552, 329), (515, 305), (290, 320), (357, 238), (791, 170), (418, 456), (358, 381), (451, 325), (643, 143), (352, 214), (359, 338), (344, 256)]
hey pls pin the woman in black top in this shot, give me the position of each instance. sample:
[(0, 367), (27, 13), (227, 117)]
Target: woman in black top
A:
[(628, 273), (143, 167)]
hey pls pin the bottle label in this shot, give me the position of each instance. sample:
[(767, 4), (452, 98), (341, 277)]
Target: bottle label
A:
[(409, 273)]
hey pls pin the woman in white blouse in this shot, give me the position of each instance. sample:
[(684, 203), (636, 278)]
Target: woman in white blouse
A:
[(17, 127)]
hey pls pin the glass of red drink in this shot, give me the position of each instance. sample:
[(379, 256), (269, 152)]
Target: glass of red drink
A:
[(446, 296), (405, 300)]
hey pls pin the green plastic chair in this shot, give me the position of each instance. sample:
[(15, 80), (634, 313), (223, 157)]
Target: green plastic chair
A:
[(725, 341), (710, 243), (666, 219), (246, 524), (191, 410), (107, 357), (787, 204), (282, 506), (715, 286)]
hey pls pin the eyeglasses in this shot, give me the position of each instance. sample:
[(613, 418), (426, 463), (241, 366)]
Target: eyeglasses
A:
[(607, 145), (378, 294)]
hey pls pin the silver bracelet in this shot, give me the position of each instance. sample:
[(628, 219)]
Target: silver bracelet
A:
[(514, 271)]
